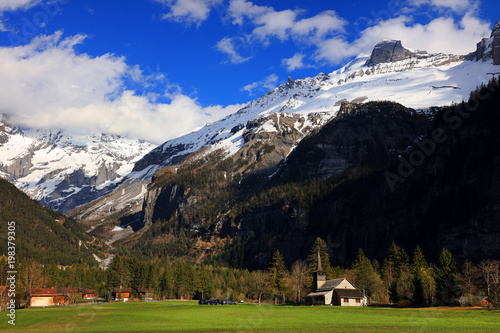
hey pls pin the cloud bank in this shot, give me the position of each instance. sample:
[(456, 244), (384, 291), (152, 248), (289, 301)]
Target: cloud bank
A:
[(456, 29), (46, 84)]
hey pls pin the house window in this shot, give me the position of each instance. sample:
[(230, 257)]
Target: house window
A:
[(358, 300), (346, 300)]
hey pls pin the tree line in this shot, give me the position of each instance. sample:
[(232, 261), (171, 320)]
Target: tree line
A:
[(399, 280)]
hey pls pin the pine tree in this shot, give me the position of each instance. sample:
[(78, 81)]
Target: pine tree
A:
[(447, 289), (118, 274), (397, 274), (320, 245), (203, 283), (367, 278), (420, 270), (278, 273)]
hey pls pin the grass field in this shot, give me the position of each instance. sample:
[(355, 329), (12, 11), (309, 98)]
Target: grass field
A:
[(191, 317)]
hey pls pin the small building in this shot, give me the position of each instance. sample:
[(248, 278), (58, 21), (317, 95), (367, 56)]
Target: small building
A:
[(122, 294), (42, 297), (485, 302), (88, 294), (482, 301), (146, 293), (334, 292)]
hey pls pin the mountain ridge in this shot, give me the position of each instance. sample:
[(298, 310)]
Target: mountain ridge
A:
[(417, 80), (414, 78), (64, 170)]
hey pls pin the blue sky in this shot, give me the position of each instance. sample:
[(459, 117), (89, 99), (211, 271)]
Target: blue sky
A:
[(155, 69)]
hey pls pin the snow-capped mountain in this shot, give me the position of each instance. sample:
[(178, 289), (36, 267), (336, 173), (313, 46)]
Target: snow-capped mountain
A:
[(62, 170), (65, 172), (391, 72), (418, 80)]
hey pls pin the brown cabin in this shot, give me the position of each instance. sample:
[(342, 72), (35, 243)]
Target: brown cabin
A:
[(486, 302), (42, 297), (89, 294), (146, 293), (122, 294)]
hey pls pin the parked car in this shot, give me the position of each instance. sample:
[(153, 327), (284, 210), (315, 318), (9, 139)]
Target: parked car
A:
[(214, 301), (203, 301), (228, 302), (241, 301)]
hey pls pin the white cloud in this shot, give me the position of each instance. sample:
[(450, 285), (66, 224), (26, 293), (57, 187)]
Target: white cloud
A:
[(295, 62), (274, 24), (458, 6), (240, 9), (227, 46), (335, 50), (46, 84), (443, 35), (284, 24), (269, 24), (189, 11), (319, 25), (266, 84), (10, 5), (325, 32)]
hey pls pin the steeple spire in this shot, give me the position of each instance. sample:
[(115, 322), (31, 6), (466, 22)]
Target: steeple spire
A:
[(320, 269), (320, 274)]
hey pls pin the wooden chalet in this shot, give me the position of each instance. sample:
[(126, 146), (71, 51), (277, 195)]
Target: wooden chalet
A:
[(486, 302), (334, 292), (88, 294), (42, 297), (146, 293), (122, 294)]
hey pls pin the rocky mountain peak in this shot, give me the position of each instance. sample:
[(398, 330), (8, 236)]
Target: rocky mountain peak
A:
[(388, 51), (488, 48), (496, 30)]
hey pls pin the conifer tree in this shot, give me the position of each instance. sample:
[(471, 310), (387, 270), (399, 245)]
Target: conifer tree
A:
[(118, 274), (320, 245), (422, 279), (447, 289), (397, 275), (367, 278), (278, 273)]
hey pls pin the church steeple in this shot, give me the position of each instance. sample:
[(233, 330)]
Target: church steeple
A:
[(320, 277)]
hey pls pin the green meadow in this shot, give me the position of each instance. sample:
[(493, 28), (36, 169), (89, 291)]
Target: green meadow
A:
[(191, 317)]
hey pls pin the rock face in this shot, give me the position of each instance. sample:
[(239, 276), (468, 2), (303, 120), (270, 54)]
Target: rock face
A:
[(63, 170), (367, 135), (488, 49), (451, 200), (333, 185), (495, 44), (388, 51)]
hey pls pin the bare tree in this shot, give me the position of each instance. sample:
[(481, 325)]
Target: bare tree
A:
[(299, 279), (30, 277), (468, 278), (490, 270), (487, 268), (261, 284)]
